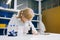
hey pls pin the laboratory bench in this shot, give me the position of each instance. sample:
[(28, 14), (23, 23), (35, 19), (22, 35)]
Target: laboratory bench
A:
[(50, 36)]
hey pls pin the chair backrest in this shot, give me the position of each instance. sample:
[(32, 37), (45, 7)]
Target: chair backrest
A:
[(51, 19)]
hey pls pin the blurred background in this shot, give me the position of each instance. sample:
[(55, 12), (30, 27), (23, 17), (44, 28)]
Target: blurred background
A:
[(46, 10)]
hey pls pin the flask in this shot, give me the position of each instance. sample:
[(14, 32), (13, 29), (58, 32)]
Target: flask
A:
[(30, 31)]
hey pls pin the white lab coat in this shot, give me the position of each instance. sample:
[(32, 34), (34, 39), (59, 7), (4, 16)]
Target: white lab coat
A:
[(19, 26)]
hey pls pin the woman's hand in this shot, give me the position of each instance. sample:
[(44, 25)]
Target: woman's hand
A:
[(35, 32)]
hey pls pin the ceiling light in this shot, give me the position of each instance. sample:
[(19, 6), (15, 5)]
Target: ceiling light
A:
[(8, 1)]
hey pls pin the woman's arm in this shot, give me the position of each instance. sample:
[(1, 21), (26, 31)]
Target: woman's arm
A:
[(34, 31)]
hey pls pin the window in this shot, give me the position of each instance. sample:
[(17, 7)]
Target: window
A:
[(55, 3), (3, 3), (59, 2), (47, 4)]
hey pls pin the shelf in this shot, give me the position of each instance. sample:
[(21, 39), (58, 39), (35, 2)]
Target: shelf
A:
[(35, 20), (10, 18), (37, 14), (6, 9), (5, 18), (37, 28)]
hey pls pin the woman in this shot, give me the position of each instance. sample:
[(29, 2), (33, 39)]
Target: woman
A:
[(23, 23)]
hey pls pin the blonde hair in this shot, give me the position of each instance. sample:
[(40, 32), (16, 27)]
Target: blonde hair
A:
[(27, 13)]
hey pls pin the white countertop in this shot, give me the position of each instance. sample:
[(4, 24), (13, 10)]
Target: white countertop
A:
[(33, 37)]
